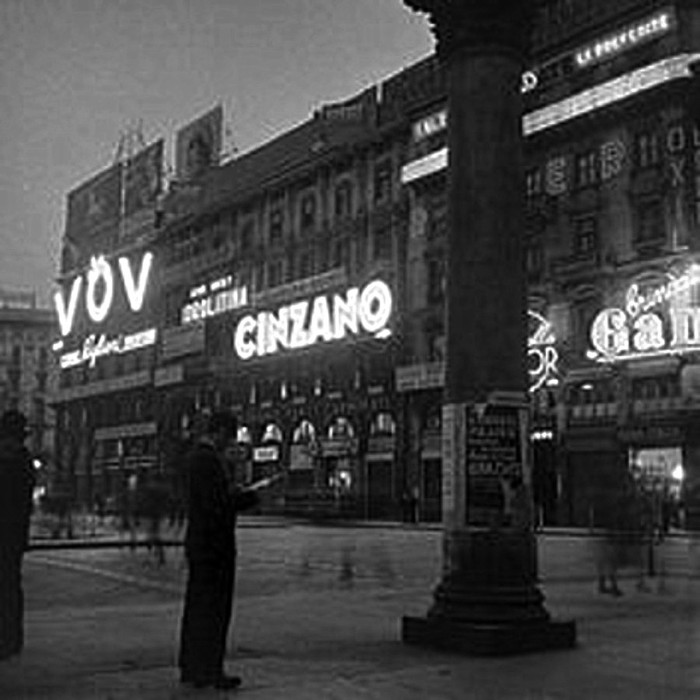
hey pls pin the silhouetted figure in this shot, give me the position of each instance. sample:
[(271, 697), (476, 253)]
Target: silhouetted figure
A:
[(210, 548), (16, 487)]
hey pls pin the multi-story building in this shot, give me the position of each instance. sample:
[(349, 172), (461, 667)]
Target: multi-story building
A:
[(106, 335), (27, 369), (302, 285)]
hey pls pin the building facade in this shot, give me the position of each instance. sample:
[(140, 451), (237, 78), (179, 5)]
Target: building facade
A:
[(301, 286), (27, 371)]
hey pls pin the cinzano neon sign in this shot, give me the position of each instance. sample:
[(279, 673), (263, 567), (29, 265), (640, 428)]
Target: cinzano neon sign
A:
[(322, 319), (99, 285), (640, 330)]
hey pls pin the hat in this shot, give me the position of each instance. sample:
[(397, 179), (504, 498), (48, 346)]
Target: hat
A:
[(14, 424)]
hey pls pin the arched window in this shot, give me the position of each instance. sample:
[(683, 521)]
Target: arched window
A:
[(243, 435), (433, 418), (383, 424), (304, 433), (341, 427), (272, 433)]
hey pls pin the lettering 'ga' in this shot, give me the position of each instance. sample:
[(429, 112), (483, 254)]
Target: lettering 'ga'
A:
[(100, 269)]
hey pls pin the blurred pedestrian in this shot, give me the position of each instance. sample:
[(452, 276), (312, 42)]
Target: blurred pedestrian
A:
[(214, 499), (153, 504), (17, 481), (605, 542)]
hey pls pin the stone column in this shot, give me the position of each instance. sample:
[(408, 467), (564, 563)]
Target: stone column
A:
[(488, 601)]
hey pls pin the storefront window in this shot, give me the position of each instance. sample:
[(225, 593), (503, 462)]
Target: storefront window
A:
[(659, 474)]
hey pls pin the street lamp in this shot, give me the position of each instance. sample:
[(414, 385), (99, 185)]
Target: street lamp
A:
[(487, 601)]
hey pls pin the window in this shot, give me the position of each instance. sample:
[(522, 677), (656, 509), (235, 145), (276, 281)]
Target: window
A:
[(436, 280), (361, 249), (306, 264), (650, 222), (343, 199), (585, 236), (383, 424), (308, 211), (260, 276), (274, 273), (339, 256), (247, 237), (382, 182), (276, 224), (382, 243), (586, 169)]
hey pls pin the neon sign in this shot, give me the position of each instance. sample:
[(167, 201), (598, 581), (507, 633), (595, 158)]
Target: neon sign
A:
[(542, 355), (577, 105), (437, 122), (95, 347), (213, 299), (627, 38), (639, 331), (98, 303), (305, 323)]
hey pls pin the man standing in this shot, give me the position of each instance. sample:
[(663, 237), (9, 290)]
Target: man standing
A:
[(16, 487), (210, 548)]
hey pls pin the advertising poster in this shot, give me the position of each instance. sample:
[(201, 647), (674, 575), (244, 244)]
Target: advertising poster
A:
[(143, 179), (495, 469), (198, 145), (95, 205)]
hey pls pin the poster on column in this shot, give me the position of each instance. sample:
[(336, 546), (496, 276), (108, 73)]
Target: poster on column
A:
[(494, 464)]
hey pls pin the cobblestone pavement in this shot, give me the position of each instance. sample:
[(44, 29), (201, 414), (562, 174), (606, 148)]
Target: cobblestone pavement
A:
[(317, 617)]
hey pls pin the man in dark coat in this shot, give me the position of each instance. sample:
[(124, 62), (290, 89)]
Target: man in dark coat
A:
[(210, 548), (16, 487)]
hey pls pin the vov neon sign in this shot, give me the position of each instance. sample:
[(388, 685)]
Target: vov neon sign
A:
[(99, 282), (321, 319), (639, 330)]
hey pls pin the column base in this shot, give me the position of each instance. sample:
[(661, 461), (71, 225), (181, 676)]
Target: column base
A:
[(488, 639), (488, 601)]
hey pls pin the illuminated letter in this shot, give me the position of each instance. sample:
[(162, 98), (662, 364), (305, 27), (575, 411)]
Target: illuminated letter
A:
[(675, 138), (649, 333), (277, 330), (66, 317), (99, 267), (245, 347), (375, 306), (262, 333), (609, 333), (320, 323), (297, 313), (544, 366), (135, 294), (685, 324), (345, 313), (612, 158), (555, 176)]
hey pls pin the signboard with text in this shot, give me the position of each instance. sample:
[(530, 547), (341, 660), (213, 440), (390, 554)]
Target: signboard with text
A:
[(494, 460)]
